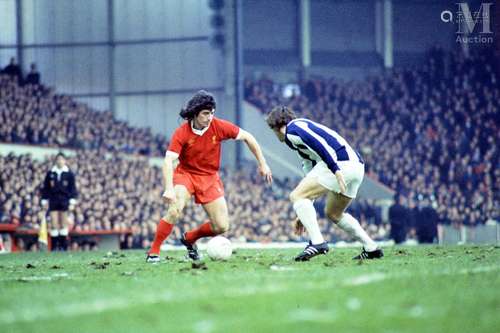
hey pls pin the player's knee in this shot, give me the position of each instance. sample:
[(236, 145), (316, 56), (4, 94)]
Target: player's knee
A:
[(167, 217), (295, 196), (333, 216), (173, 214), (221, 228)]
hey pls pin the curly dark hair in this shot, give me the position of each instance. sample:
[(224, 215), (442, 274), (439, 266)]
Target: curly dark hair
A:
[(202, 100), (280, 116)]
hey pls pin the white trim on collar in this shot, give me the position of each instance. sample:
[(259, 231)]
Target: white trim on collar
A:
[(57, 170), (197, 131)]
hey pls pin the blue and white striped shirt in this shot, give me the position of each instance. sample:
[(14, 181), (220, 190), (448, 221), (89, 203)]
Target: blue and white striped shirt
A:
[(315, 142)]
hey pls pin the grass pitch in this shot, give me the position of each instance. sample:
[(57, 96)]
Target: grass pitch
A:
[(417, 289)]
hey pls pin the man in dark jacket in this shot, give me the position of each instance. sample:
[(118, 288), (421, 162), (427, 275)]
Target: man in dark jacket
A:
[(427, 222), (59, 194), (13, 69), (398, 217), (33, 76)]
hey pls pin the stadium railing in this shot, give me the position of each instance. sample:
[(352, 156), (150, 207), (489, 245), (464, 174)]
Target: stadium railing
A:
[(105, 239), (479, 234)]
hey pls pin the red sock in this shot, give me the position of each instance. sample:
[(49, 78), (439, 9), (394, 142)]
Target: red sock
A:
[(162, 231), (204, 230)]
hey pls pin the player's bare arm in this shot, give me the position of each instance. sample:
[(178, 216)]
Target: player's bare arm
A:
[(254, 147), (168, 175)]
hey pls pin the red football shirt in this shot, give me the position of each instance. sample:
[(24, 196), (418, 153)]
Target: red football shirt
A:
[(200, 154)]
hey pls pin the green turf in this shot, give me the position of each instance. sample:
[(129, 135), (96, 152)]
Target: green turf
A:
[(417, 289)]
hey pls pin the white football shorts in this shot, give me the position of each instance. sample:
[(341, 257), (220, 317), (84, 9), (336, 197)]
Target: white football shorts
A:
[(353, 173)]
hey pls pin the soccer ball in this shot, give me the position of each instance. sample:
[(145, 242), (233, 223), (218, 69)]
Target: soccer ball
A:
[(219, 248)]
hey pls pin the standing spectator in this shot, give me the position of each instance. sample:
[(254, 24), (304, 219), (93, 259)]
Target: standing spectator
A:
[(427, 223), (398, 218), (59, 193), (13, 69), (33, 76)]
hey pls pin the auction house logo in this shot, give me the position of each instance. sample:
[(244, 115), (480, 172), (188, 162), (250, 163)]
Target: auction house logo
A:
[(472, 26)]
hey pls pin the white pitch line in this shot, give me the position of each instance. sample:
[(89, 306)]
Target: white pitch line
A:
[(379, 276), (480, 269), (313, 315), (204, 326), (77, 309), (54, 276), (107, 304), (365, 279)]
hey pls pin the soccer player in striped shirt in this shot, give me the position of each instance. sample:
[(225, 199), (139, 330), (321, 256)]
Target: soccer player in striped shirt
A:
[(333, 168)]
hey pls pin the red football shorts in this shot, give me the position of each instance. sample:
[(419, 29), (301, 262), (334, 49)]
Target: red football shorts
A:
[(204, 188)]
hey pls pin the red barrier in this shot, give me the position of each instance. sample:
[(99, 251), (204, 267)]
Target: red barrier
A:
[(102, 236)]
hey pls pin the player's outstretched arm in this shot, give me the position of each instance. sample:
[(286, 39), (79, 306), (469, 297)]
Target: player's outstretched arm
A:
[(168, 176), (254, 147)]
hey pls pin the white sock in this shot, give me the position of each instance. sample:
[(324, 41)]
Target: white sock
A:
[(350, 225), (54, 233), (63, 232), (307, 215)]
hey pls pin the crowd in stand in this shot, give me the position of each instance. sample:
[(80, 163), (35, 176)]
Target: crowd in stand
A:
[(14, 70), (31, 113), (430, 133), (122, 193)]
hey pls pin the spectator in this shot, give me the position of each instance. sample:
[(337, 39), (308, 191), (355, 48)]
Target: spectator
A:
[(427, 222), (33, 76), (398, 218), (13, 70)]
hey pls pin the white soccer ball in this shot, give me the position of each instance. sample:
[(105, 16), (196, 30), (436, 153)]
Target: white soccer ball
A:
[(219, 248)]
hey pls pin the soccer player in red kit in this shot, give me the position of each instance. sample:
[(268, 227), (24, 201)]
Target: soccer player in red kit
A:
[(197, 146)]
